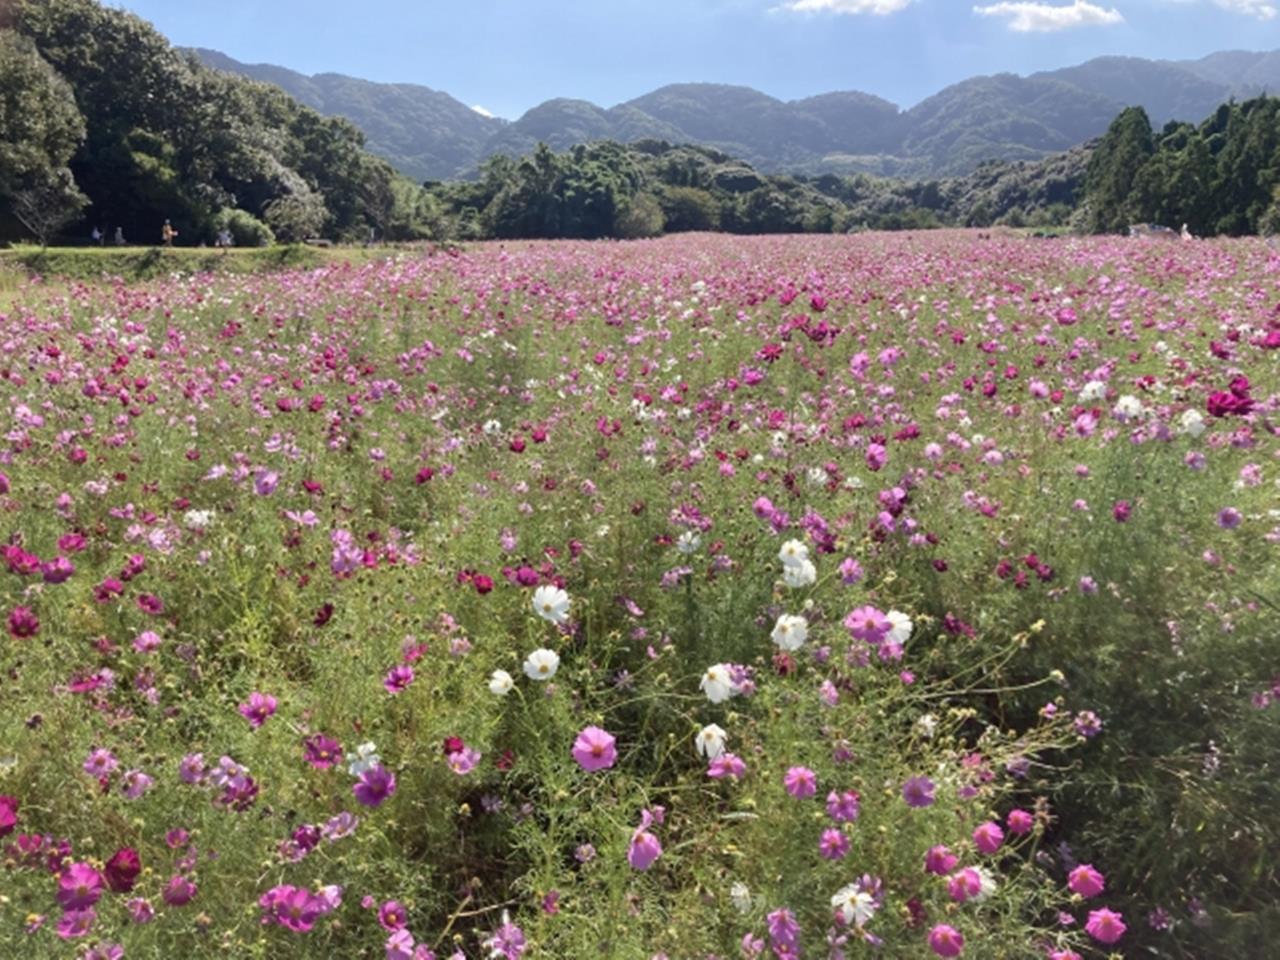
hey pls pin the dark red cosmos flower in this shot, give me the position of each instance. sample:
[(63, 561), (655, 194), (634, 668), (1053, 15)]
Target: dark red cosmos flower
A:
[(122, 870), (23, 622)]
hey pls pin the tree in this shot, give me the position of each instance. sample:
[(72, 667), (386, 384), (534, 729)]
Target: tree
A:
[(641, 217), (297, 216), (40, 125), (48, 204), (688, 208), (1113, 169)]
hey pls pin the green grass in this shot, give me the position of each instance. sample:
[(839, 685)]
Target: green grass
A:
[(144, 263)]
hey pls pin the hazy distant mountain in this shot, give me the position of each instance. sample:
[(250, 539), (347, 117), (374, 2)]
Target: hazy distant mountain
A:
[(423, 132), (430, 135)]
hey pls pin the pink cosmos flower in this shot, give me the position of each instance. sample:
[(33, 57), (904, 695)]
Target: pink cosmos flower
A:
[(392, 916), (964, 885), (76, 923), (868, 624), (463, 761), (140, 910), (1105, 926), (148, 641), (843, 807), (1020, 822), (726, 765), (645, 847), (940, 861), (1086, 881), (258, 708), (946, 941), (800, 782), (987, 837), (595, 749), (833, 844), (399, 945)]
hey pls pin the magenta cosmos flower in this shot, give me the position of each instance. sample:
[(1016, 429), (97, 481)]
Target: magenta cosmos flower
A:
[(398, 679), (374, 786), (595, 749), (79, 886), (8, 815), (946, 941), (321, 752), (1105, 926), (258, 708), (940, 861)]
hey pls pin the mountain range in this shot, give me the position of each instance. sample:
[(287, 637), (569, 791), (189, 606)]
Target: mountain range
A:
[(430, 135)]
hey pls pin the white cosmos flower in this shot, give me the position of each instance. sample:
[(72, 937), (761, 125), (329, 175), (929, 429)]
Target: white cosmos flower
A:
[(711, 741), (1093, 390), (928, 725), (740, 894), (492, 426), (901, 626), (1191, 423), (854, 905), (365, 758), (717, 684), (688, 542), (1128, 407), (541, 664), (793, 553), (800, 575), (790, 632), (551, 603), (500, 683), (197, 519)]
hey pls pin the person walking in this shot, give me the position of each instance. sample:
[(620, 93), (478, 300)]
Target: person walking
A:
[(167, 233), (119, 237)]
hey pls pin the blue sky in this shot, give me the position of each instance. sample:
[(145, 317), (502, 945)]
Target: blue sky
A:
[(508, 55)]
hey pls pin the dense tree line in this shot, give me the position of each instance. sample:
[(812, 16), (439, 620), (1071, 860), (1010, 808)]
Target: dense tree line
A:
[(607, 189), (103, 124), (1221, 177)]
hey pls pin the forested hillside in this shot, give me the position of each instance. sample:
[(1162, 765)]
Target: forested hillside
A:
[(105, 125)]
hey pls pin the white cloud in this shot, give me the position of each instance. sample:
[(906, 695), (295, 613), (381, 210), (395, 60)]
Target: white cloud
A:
[(1262, 9), (878, 7), (482, 111), (1026, 17)]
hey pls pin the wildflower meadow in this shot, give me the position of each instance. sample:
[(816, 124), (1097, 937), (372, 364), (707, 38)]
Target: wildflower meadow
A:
[(702, 598)]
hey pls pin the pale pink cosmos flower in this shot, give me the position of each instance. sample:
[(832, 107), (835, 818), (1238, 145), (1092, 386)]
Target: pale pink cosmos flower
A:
[(595, 749)]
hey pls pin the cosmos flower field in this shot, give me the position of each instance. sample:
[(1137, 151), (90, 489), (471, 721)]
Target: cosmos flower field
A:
[(894, 595)]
